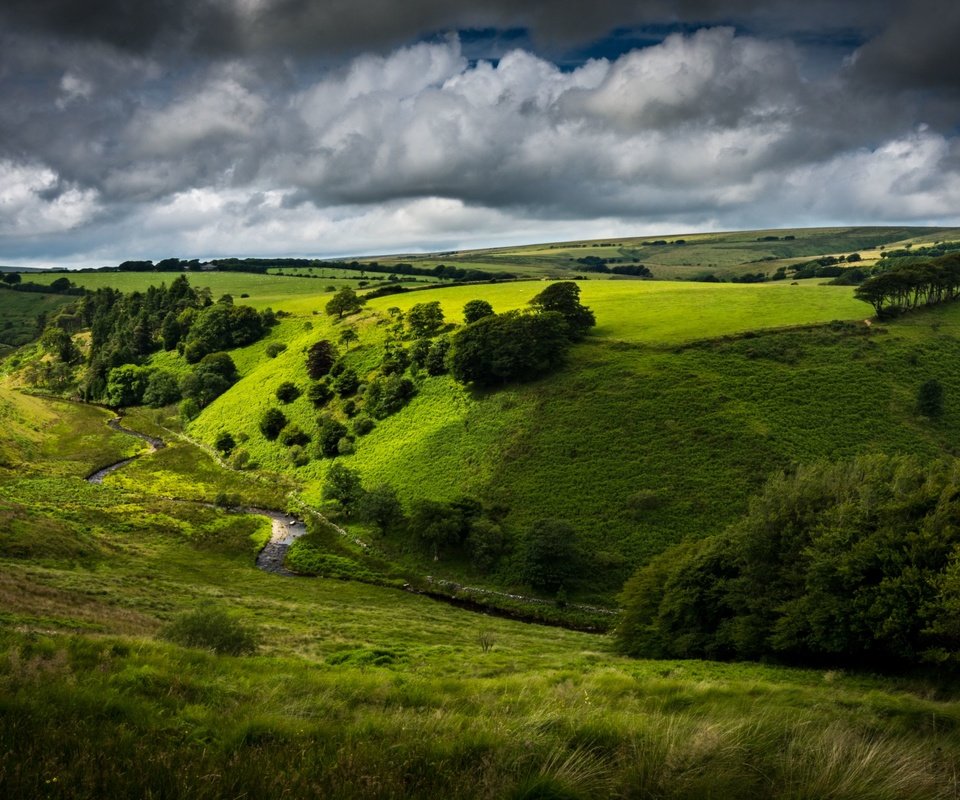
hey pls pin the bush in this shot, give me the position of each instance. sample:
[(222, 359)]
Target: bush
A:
[(930, 399), (346, 382), (299, 457), (287, 392), (225, 443), (343, 487), (212, 629), (436, 360), (381, 506), (476, 309), (329, 436), (386, 396), (362, 426), (272, 422), (320, 393), (320, 358), (294, 435), (550, 555), (275, 348), (162, 389), (241, 459)]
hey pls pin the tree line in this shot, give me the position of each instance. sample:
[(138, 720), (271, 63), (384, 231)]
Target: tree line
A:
[(908, 286), (854, 564)]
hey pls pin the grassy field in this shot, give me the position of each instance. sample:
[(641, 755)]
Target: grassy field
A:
[(18, 315), (361, 691), (683, 256)]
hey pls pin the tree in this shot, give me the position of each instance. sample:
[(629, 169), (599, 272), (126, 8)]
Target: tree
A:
[(320, 358), (564, 298), (225, 442), (386, 396), (476, 309), (11, 278), (346, 383), (930, 399), (436, 360), (329, 435), (56, 341), (287, 392), (381, 506), (435, 525), (126, 385), (272, 422), (320, 393), (345, 301), (294, 435), (508, 347), (550, 555), (425, 319), (348, 336), (485, 543), (342, 485), (162, 389)]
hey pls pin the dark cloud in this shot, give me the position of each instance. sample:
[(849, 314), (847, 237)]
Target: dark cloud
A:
[(295, 126)]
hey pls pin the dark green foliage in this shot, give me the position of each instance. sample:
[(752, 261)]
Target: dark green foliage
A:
[(435, 525), (485, 542), (274, 349), (56, 341), (425, 319), (221, 327), (347, 337), (345, 301), (225, 443), (272, 422), (320, 393), (550, 556), (126, 385), (418, 352), (329, 435), (476, 309), (930, 399), (509, 347), (395, 359), (294, 435), (287, 392), (214, 374), (362, 426), (838, 563), (346, 382), (299, 456), (381, 506), (212, 629), (386, 396), (343, 487), (436, 360), (162, 389), (564, 298), (907, 286), (11, 278), (320, 358)]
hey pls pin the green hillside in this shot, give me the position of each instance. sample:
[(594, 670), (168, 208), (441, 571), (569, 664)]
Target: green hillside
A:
[(661, 426), (358, 691)]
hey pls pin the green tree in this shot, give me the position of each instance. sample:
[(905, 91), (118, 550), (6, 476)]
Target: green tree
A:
[(320, 358), (272, 422), (225, 442), (381, 506), (345, 301), (476, 309), (435, 525), (425, 319), (56, 341), (320, 393), (126, 385), (550, 555), (342, 485), (11, 278), (162, 389), (329, 435), (287, 392), (564, 298), (348, 336), (930, 398)]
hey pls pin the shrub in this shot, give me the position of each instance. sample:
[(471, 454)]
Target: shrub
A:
[(386, 396), (476, 309), (320, 393), (343, 487), (320, 358), (287, 392), (329, 435), (381, 506), (225, 442), (162, 389), (294, 435), (346, 382), (212, 629), (299, 457), (436, 361), (275, 348), (272, 422), (362, 426), (550, 555), (929, 399), (241, 459)]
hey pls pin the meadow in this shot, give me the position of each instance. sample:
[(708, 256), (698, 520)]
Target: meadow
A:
[(362, 691), (18, 316)]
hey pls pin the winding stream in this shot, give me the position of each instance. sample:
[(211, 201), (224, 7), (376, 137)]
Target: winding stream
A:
[(288, 528)]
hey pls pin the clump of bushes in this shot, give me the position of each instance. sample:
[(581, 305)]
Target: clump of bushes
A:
[(212, 629)]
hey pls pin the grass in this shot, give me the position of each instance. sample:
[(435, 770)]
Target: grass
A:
[(19, 312), (365, 691)]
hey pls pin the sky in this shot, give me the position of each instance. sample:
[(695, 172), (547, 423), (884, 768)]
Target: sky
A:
[(204, 128)]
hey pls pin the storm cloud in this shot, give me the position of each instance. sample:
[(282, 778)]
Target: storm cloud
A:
[(292, 127)]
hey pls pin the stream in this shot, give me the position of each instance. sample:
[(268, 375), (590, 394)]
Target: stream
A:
[(288, 528)]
